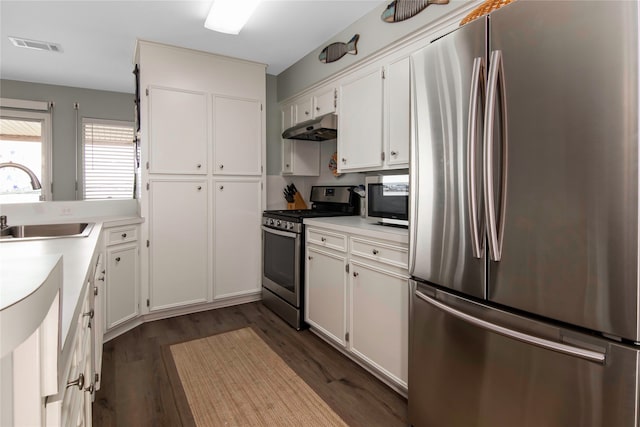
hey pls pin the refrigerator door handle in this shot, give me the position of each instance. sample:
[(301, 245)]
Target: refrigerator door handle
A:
[(494, 230), (592, 356), (413, 175), (477, 87)]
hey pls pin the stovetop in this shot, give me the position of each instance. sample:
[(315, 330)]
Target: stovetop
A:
[(298, 215)]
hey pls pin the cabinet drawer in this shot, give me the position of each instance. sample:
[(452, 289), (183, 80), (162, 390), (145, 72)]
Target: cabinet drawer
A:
[(327, 239), (122, 235), (382, 252)]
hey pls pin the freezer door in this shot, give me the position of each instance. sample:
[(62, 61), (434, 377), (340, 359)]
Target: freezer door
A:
[(470, 365), (445, 224), (570, 222)]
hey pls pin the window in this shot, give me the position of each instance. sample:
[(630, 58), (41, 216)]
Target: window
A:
[(109, 159), (24, 153)]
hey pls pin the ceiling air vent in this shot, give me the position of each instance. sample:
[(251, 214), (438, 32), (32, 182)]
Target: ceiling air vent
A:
[(35, 44)]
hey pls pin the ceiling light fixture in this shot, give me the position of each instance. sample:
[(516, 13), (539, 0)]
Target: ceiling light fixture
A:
[(229, 16)]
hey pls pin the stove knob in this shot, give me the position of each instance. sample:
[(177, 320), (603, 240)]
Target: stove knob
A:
[(290, 226), (271, 222), (279, 223)]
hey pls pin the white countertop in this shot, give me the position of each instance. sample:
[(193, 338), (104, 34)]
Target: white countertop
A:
[(361, 226), (23, 263)]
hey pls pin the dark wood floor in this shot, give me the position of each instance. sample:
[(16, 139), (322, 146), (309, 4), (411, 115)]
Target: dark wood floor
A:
[(136, 390)]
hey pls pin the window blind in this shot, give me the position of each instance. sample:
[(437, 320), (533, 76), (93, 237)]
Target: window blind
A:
[(109, 159)]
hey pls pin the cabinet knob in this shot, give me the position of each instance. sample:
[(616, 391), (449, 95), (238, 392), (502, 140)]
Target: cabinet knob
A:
[(199, 187), (124, 235), (344, 160), (198, 165), (117, 259), (306, 113), (221, 187), (394, 153), (287, 165), (221, 167), (309, 257), (77, 382), (90, 389), (375, 252), (356, 274), (89, 313), (324, 239), (317, 108)]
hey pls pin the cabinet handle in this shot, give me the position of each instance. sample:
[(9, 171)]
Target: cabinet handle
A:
[(221, 167), (124, 235), (323, 239), (306, 113), (117, 259), (78, 382), (221, 187), (95, 289), (198, 165), (344, 160), (394, 153), (356, 274), (375, 252), (199, 187), (90, 389), (309, 257), (89, 313), (287, 165), (317, 108)]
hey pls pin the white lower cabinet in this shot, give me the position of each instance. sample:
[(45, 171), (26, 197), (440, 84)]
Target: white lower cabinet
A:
[(179, 236), (326, 291), (237, 236), (358, 298), (122, 300)]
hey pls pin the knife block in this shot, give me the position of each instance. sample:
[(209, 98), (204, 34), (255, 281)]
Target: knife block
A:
[(298, 203)]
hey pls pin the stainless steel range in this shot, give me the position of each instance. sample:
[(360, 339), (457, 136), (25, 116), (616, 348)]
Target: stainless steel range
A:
[(283, 249)]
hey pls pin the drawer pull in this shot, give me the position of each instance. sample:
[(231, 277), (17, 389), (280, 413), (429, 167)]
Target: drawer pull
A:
[(124, 235), (90, 389), (78, 382), (89, 313), (356, 274), (375, 252), (117, 259), (324, 239)]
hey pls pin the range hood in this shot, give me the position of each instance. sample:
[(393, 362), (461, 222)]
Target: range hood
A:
[(319, 129)]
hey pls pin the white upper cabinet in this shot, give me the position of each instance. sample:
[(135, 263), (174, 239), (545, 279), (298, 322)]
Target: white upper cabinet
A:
[(360, 137), (303, 110), (397, 108), (288, 116), (178, 131), (237, 136), (325, 101)]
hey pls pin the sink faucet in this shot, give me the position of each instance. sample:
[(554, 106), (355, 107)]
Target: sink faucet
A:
[(35, 183)]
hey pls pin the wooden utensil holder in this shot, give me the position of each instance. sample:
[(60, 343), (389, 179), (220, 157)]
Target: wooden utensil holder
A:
[(298, 203)]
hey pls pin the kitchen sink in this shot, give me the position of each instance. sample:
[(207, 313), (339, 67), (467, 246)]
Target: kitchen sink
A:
[(45, 231)]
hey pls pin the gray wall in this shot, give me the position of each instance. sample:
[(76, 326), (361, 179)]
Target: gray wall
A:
[(375, 35), (274, 142), (93, 104)]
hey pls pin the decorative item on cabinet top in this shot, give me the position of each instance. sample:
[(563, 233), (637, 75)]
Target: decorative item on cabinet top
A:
[(337, 50), (399, 10), (485, 8), (333, 164)]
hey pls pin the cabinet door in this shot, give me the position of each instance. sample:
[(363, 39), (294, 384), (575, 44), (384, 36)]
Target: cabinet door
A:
[(288, 117), (237, 136), (303, 110), (397, 103), (122, 284), (287, 156), (300, 158), (325, 293), (237, 237), (324, 102), (360, 124), (178, 131), (380, 319), (179, 251)]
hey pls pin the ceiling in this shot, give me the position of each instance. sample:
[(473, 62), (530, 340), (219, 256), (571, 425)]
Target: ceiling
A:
[(97, 37)]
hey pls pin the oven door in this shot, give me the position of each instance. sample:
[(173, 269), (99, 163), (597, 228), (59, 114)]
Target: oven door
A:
[(281, 268)]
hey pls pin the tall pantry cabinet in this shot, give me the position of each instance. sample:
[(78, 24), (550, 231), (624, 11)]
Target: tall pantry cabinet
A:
[(202, 137)]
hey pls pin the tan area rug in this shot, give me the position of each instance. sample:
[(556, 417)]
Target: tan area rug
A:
[(235, 379)]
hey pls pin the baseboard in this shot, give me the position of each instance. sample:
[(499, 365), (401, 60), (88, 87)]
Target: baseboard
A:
[(166, 314)]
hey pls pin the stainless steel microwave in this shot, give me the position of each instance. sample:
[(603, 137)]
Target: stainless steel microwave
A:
[(388, 199)]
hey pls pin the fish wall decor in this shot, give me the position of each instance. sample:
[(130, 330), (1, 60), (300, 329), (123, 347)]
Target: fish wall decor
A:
[(337, 50), (399, 10)]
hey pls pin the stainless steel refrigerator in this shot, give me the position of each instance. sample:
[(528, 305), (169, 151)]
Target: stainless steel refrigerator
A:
[(524, 245)]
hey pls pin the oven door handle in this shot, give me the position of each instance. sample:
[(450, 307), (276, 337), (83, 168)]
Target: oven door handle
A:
[(279, 232)]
